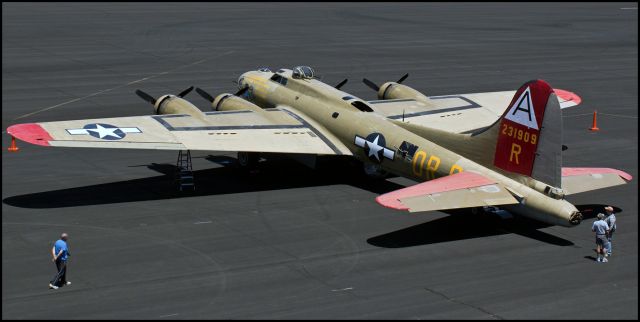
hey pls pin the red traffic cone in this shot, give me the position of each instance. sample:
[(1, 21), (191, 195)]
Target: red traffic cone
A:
[(594, 126)]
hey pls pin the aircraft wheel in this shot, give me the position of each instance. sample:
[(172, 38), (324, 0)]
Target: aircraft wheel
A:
[(248, 160)]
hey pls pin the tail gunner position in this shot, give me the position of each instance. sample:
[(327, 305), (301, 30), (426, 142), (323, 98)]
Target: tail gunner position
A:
[(471, 150)]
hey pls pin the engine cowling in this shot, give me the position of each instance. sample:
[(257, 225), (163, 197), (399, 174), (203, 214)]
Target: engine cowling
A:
[(171, 104), (230, 102), (393, 90)]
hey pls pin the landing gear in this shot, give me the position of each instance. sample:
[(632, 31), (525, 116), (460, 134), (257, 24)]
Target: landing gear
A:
[(248, 160), (374, 171)]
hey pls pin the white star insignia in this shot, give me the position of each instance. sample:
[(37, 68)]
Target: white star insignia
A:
[(103, 131), (374, 148)]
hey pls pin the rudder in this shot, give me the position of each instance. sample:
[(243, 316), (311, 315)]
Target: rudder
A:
[(529, 138)]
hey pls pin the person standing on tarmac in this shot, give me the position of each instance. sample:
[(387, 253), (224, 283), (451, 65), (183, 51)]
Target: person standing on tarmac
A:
[(601, 229), (60, 253), (611, 221)]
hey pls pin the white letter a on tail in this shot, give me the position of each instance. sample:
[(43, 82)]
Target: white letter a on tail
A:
[(522, 111)]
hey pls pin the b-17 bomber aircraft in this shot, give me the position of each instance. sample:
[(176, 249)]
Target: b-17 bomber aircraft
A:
[(497, 149)]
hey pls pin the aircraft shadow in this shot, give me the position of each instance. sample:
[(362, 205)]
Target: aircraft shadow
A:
[(275, 174), (282, 173), (461, 224)]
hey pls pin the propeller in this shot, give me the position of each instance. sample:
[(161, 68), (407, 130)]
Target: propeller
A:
[(152, 100), (204, 94), (185, 92), (210, 98), (371, 84), (376, 88), (341, 83), (146, 96), (241, 91), (403, 78)]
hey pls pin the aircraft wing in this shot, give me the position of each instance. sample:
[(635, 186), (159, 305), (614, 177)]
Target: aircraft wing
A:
[(460, 113), (576, 180), (460, 190), (275, 130)]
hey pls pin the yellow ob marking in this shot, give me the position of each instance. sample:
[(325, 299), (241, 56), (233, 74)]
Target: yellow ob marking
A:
[(433, 163)]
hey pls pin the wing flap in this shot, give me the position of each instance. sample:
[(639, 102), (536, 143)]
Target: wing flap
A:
[(576, 180), (460, 190)]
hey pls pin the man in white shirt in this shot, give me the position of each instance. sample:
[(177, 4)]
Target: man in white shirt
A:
[(611, 221), (601, 229)]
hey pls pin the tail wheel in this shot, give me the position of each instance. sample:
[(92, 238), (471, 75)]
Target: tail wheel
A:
[(248, 160)]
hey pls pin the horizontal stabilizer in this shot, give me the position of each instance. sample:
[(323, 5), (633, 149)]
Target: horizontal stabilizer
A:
[(460, 190), (576, 180)]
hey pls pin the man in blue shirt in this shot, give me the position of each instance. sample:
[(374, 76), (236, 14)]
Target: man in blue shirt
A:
[(601, 229), (60, 253)]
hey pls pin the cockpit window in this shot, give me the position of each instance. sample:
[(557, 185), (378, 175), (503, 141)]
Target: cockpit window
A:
[(264, 70), (304, 72), (346, 98), (361, 106), (279, 79)]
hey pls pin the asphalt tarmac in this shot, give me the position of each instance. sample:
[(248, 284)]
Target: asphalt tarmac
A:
[(290, 242)]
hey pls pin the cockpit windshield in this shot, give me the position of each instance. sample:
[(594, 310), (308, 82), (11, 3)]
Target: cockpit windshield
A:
[(304, 72)]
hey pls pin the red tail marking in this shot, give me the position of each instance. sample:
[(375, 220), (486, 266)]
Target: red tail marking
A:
[(520, 128)]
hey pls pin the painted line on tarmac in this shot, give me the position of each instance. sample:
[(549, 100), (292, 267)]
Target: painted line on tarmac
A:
[(120, 86)]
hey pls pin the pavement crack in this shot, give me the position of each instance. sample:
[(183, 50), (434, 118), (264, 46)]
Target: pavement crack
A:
[(452, 300)]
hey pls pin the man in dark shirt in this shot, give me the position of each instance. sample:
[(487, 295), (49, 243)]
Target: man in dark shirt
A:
[(60, 253)]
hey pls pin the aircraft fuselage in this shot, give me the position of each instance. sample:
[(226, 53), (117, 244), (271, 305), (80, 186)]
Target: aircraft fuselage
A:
[(376, 141)]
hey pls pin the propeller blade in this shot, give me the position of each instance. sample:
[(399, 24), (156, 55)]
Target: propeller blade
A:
[(146, 97), (185, 92), (371, 84), (204, 94), (341, 83), (241, 91), (403, 78)]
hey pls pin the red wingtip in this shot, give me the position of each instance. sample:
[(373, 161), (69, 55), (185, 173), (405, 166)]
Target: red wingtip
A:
[(31, 133), (390, 202), (582, 171), (568, 96)]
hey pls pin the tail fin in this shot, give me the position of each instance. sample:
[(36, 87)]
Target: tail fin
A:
[(529, 138), (526, 140)]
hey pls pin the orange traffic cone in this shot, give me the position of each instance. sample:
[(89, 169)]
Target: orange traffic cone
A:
[(13, 147), (594, 126)]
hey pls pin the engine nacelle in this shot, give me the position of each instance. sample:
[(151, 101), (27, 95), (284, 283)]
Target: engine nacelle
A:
[(230, 102), (171, 104), (393, 90)]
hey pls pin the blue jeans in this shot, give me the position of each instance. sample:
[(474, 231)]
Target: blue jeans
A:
[(608, 247)]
